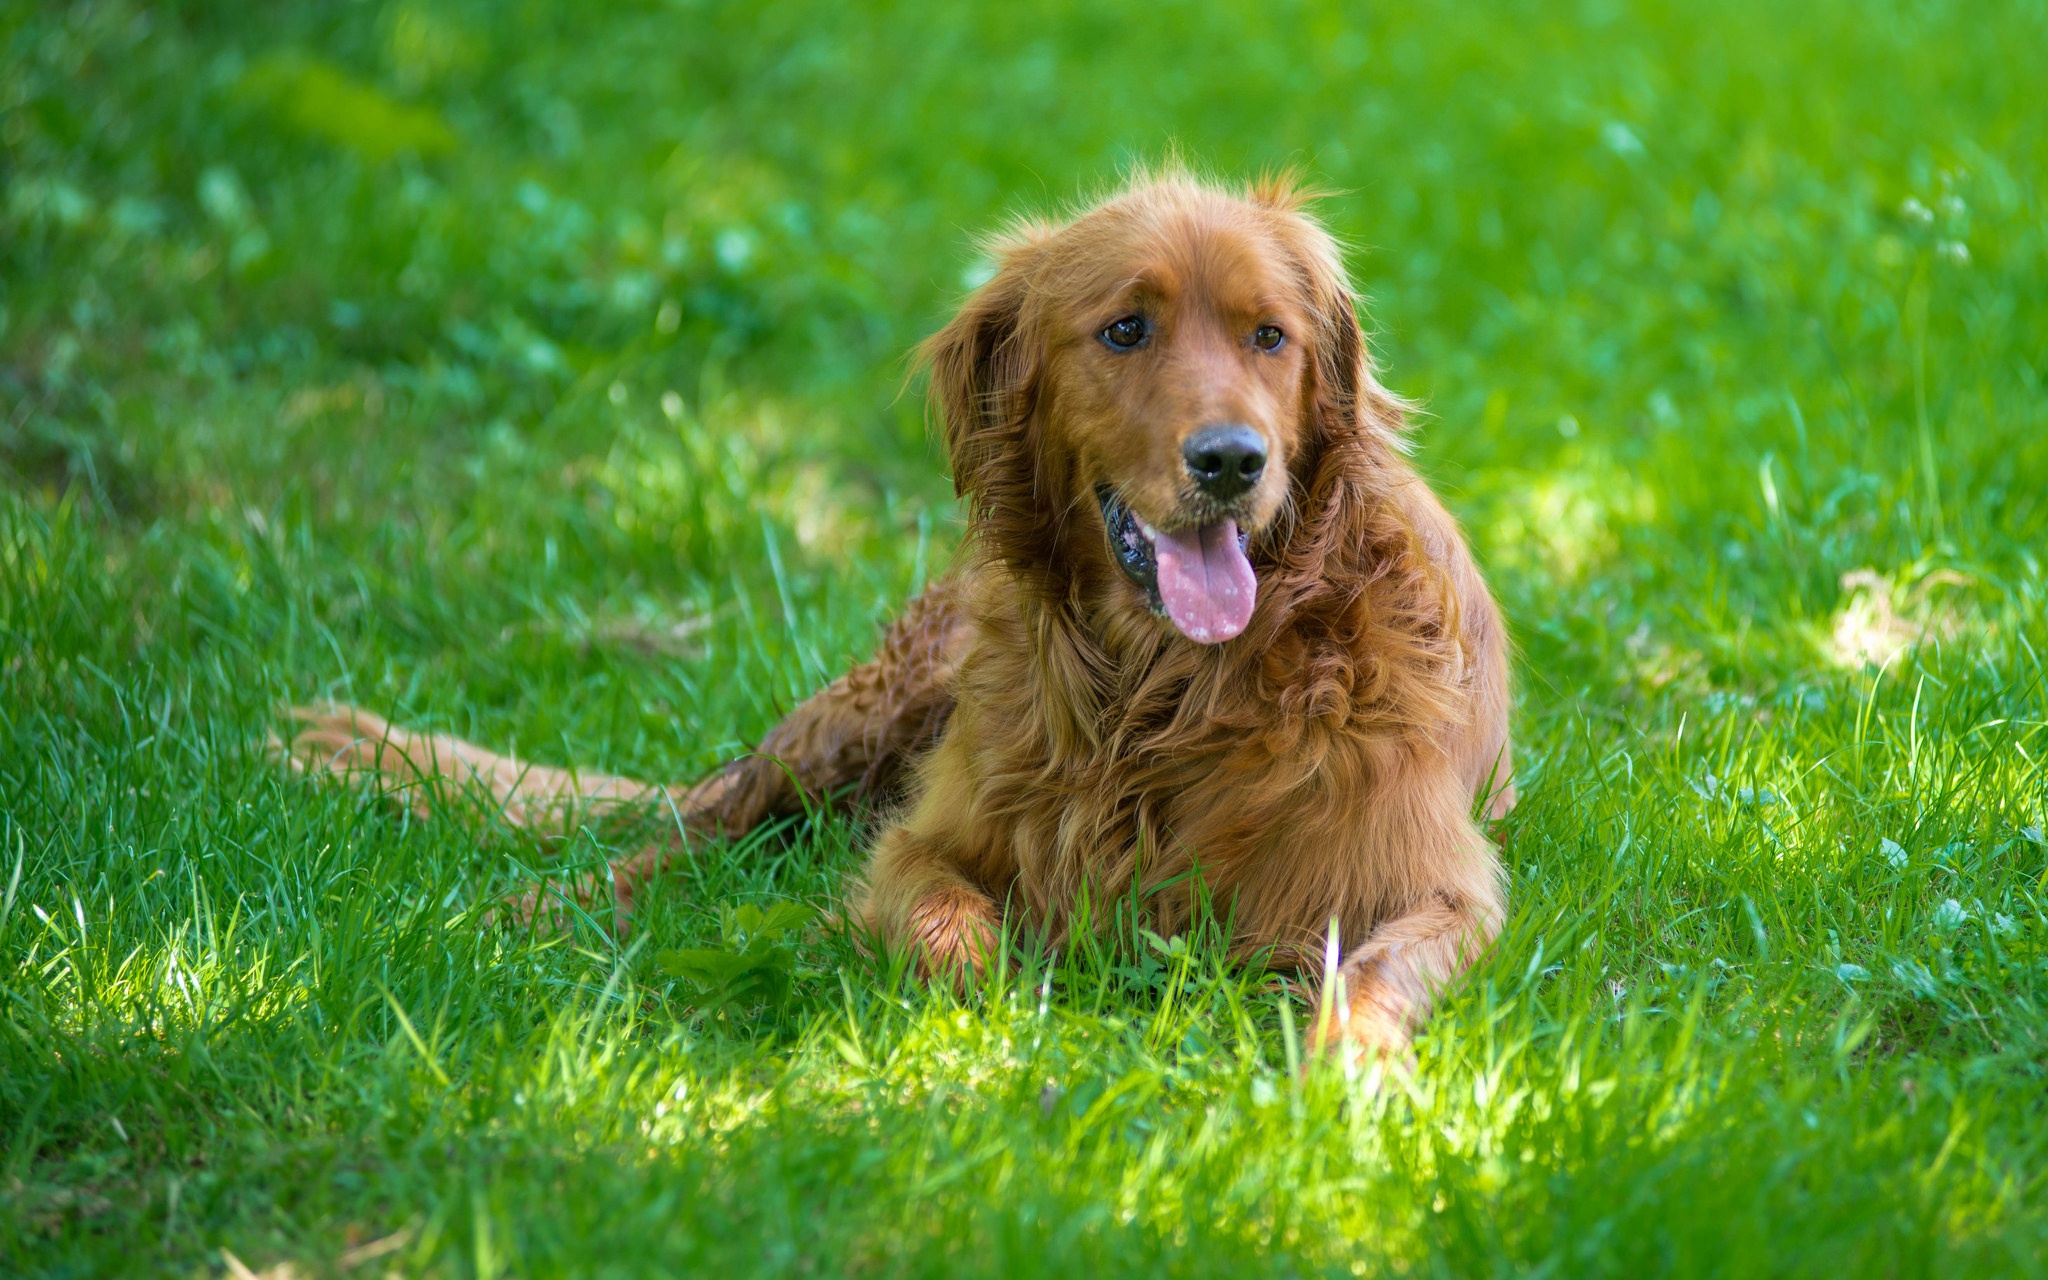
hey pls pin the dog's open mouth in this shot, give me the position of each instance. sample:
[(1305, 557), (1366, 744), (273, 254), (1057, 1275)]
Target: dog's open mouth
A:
[(1200, 577)]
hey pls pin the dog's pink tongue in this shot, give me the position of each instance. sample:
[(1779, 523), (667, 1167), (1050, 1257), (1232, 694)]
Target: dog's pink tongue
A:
[(1205, 581)]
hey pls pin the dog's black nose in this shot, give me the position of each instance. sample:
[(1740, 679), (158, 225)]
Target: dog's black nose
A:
[(1225, 461)]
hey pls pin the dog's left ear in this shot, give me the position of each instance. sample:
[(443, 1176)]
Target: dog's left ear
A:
[(985, 367), (1348, 402)]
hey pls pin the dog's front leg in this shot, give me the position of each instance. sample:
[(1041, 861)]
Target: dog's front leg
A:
[(1391, 983), (916, 898), (1455, 905)]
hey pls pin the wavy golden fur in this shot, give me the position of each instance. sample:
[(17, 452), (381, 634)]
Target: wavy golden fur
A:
[(1040, 728)]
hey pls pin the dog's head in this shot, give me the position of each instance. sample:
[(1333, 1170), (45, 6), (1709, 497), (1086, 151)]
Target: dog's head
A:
[(1139, 396)]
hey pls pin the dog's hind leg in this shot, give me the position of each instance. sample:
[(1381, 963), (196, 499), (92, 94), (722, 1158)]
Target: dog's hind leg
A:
[(862, 732), (421, 768)]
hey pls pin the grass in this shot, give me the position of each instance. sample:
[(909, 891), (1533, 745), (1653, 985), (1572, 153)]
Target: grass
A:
[(531, 371)]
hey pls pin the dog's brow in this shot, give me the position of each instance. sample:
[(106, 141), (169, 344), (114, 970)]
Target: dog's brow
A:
[(1140, 284), (1263, 306), (1234, 307)]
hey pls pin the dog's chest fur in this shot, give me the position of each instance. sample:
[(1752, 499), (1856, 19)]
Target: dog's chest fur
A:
[(1170, 780)]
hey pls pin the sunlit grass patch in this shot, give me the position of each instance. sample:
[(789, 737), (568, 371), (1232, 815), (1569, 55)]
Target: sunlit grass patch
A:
[(1560, 525)]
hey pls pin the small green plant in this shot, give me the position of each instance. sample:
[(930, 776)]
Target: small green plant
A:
[(757, 962)]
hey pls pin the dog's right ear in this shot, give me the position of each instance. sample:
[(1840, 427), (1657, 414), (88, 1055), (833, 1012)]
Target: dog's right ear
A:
[(985, 367)]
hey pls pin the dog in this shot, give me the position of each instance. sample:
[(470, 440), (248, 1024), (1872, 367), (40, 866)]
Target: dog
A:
[(1208, 632)]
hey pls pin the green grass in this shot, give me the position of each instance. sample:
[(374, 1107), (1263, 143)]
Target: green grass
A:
[(531, 371)]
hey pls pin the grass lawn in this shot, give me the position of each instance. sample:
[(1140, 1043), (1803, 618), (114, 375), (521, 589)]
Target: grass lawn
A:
[(531, 371)]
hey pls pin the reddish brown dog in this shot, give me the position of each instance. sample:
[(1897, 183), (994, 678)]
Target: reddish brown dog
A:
[(1206, 617)]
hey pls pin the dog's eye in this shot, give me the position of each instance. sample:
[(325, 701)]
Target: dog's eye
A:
[(1268, 337), (1126, 333)]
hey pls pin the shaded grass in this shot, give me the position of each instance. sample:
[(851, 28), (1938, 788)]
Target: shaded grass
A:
[(568, 421)]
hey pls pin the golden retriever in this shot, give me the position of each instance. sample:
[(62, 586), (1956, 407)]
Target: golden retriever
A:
[(1206, 618)]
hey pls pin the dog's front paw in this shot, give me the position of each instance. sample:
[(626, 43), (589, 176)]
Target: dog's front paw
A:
[(1369, 1042), (955, 931), (1356, 1030)]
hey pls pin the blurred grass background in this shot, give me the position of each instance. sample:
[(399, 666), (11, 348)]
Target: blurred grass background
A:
[(535, 371)]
